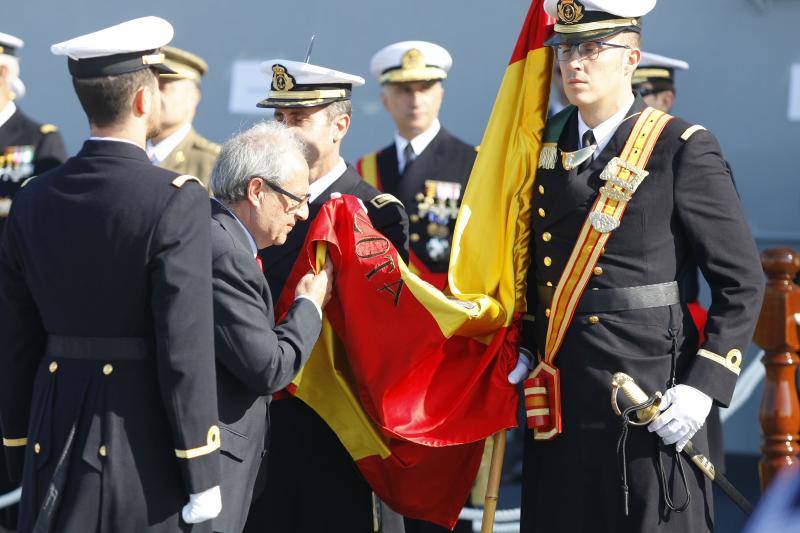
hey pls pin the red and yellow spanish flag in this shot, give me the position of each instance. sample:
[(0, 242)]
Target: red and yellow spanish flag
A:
[(411, 379)]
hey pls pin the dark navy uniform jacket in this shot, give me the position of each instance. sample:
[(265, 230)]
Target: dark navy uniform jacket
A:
[(27, 149), (108, 250), (311, 483), (445, 159), (685, 211)]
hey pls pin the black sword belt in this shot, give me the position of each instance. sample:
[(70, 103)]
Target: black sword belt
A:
[(624, 299), (98, 348)]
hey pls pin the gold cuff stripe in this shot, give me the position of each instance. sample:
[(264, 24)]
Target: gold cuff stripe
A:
[(308, 95), (383, 199), (408, 75), (153, 59), (594, 26), (212, 444), (535, 390), (13, 443), (732, 362), (686, 135)]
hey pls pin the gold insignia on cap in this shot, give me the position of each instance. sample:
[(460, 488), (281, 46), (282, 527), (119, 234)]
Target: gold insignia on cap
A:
[(413, 60), (570, 11), (281, 80)]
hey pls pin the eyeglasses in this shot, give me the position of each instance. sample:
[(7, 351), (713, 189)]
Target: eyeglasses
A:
[(587, 51), (277, 188)]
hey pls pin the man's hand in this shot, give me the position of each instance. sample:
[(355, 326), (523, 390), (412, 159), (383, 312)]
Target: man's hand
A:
[(317, 287), (685, 410), (522, 368), (202, 506)]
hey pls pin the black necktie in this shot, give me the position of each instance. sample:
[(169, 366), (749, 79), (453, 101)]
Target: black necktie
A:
[(408, 155), (587, 140)]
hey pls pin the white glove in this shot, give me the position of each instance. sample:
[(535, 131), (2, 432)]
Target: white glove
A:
[(202, 506), (685, 410), (522, 369)]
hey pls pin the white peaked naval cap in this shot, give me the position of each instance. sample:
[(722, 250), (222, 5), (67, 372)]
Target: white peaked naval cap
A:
[(298, 84), (409, 61), (10, 44), (119, 49), (581, 20)]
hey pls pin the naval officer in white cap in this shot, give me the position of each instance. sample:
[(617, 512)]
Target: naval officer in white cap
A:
[(627, 201), (426, 167), (27, 147), (654, 80), (109, 389), (312, 483)]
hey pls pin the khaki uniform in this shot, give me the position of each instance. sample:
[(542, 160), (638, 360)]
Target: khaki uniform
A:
[(195, 155)]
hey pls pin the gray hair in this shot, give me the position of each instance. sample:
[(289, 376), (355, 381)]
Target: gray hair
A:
[(265, 150)]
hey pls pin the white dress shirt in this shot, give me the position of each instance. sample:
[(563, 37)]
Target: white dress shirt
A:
[(418, 144), (7, 112), (159, 152), (320, 185), (604, 131)]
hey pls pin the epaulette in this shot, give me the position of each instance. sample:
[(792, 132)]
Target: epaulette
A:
[(385, 199), (691, 130), (24, 183), (552, 132), (478, 148), (208, 146), (180, 181), (48, 128)]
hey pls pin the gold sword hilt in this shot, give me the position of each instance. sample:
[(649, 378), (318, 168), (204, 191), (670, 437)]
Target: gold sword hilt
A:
[(636, 396)]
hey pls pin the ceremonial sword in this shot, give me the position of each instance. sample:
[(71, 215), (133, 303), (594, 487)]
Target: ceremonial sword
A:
[(647, 414)]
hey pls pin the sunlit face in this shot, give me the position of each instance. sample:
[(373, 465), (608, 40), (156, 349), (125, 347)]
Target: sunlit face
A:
[(179, 100), (413, 105), (314, 126), (154, 109), (275, 213), (589, 81), (661, 100)]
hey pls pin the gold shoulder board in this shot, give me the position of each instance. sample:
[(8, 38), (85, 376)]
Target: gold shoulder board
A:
[(48, 128), (180, 181), (691, 131), (385, 199), (478, 148)]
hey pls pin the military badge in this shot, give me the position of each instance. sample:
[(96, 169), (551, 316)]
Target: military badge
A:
[(438, 208), (16, 163), (413, 60), (281, 79), (570, 11)]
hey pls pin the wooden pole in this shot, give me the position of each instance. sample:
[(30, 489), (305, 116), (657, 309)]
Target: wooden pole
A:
[(777, 334), (493, 485)]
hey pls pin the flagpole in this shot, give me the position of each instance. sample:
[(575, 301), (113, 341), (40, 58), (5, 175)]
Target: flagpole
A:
[(493, 485)]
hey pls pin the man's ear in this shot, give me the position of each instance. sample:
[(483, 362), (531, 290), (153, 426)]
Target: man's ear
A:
[(384, 99), (254, 189), (668, 97), (142, 99), (632, 59), (341, 124)]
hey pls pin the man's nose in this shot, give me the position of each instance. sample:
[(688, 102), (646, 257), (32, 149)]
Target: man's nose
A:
[(302, 213)]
